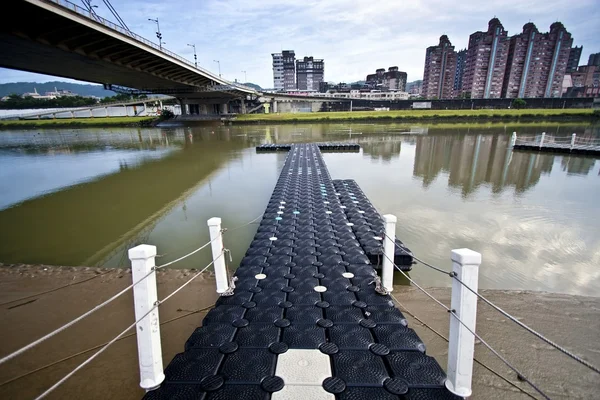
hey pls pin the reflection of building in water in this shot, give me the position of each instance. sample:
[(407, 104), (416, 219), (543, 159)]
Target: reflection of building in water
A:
[(577, 165), (382, 148), (471, 160)]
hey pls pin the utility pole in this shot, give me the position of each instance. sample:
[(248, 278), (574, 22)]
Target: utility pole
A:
[(219, 64), (246, 77), (158, 34), (195, 58)]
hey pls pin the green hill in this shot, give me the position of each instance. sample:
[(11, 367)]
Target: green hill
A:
[(77, 88)]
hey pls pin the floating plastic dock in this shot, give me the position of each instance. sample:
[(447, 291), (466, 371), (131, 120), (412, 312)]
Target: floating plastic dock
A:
[(305, 321)]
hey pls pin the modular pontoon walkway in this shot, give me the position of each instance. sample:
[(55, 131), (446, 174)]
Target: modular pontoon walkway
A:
[(305, 321)]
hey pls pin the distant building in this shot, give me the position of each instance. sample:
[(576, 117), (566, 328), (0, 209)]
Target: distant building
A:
[(585, 82), (36, 95), (309, 73), (289, 69), (574, 57), (277, 71), (461, 62), (486, 62), (440, 70), (537, 62), (594, 59), (393, 79), (586, 75)]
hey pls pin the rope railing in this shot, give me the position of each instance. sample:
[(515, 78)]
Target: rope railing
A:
[(506, 314), (120, 335), (96, 308), (405, 309), (488, 346), (550, 140), (71, 323)]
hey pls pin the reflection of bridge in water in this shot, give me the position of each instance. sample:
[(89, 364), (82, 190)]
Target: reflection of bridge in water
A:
[(59, 225)]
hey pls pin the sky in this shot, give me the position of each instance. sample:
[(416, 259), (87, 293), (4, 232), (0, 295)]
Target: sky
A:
[(354, 37)]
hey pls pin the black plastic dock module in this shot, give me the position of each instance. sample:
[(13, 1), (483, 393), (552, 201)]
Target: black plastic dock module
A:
[(305, 321)]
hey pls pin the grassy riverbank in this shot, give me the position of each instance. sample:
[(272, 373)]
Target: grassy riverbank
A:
[(77, 122), (424, 115)]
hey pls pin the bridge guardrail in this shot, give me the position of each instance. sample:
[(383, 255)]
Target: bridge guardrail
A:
[(81, 11)]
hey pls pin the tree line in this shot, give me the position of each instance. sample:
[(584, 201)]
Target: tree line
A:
[(16, 102)]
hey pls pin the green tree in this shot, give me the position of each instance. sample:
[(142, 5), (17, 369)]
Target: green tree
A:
[(518, 104)]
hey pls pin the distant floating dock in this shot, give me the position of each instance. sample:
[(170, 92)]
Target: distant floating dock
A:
[(305, 320), (550, 144), (349, 147)]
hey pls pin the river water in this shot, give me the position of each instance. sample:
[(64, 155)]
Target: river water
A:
[(83, 197)]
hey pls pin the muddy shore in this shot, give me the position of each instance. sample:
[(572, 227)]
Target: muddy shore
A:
[(28, 313)]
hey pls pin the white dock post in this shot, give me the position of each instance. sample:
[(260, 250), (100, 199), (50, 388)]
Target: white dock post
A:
[(542, 139), (461, 345), (214, 226), (513, 140), (389, 247), (148, 329), (573, 138)]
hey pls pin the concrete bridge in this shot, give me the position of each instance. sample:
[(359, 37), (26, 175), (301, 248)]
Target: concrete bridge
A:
[(57, 37)]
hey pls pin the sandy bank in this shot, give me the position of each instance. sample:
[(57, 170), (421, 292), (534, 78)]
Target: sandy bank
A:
[(573, 321)]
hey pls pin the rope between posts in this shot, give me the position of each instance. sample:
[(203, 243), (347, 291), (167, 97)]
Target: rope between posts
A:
[(120, 335), (405, 309), (246, 224), (190, 253), (72, 322), (530, 330), (513, 319), (453, 312), (416, 258)]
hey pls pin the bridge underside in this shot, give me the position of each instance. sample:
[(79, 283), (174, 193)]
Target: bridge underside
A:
[(41, 37)]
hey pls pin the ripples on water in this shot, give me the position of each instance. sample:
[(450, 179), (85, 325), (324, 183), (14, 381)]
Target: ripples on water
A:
[(532, 216)]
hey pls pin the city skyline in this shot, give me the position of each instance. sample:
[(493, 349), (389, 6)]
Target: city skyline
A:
[(223, 32)]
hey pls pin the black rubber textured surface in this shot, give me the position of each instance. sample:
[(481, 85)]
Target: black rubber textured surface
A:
[(306, 239)]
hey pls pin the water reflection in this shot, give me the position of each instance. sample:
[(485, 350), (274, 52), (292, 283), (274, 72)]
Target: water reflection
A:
[(89, 195), (473, 160)]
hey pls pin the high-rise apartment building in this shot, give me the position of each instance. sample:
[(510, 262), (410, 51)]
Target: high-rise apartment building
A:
[(289, 69), (277, 71), (594, 59), (284, 70), (393, 79), (574, 57), (440, 70), (486, 62), (309, 73), (537, 62), (461, 62)]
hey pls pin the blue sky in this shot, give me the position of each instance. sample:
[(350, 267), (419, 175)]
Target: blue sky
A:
[(355, 37)]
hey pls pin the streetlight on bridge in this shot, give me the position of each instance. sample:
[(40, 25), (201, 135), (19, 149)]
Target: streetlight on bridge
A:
[(245, 77), (195, 58), (158, 34), (219, 63)]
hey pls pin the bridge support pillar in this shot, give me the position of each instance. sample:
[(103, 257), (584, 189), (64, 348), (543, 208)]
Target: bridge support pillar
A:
[(224, 108), (243, 107), (203, 109), (274, 106)]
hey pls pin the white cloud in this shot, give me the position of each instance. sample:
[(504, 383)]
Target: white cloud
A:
[(353, 36)]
